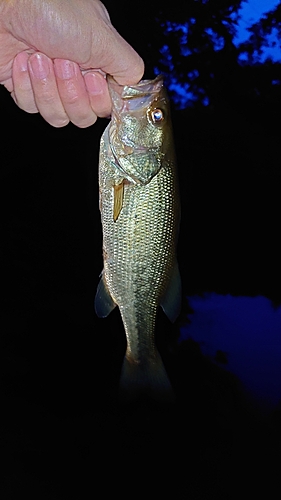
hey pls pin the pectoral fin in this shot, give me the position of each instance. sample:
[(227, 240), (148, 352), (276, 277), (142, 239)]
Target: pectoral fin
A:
[(171, 301), (104, 303), (118, 200)]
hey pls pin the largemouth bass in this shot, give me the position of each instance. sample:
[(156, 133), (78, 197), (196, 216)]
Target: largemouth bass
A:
[(140, 211)]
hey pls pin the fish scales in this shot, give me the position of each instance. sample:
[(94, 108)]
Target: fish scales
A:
[(137, 260), (139, 245)]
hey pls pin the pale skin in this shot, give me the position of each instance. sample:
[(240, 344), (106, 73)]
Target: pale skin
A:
[(55, 55)]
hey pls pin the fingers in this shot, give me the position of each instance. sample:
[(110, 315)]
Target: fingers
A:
[(73, 93), (98, 93), (22, 88), (45, 90), (59, 91), (35, 88)]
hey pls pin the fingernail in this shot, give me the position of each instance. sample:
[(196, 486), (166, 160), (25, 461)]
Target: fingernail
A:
[(21, 61), (64, 69), (94, 83), (39, 65)]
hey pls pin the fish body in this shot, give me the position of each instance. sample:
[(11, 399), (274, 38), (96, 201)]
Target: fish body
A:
[(140, 211)]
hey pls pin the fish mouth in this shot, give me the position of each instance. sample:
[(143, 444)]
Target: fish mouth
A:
[(133, 97), (144, 87)]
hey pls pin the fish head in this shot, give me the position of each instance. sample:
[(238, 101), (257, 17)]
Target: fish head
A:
[(140, 128)]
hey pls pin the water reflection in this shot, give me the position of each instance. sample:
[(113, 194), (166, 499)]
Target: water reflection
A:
[(243, 334)]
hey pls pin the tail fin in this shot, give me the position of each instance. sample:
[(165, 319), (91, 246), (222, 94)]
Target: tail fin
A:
[(147, 379)]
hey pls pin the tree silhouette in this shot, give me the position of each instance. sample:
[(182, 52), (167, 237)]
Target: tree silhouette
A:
[(192, 45), (186, 41)]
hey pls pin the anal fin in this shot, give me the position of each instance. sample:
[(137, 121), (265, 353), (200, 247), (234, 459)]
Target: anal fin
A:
[(171, 301), (104, 303)]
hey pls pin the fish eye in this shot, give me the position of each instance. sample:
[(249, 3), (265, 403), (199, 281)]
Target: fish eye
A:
[(157, 115)]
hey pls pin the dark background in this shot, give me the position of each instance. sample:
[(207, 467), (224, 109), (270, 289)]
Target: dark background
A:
[(63, 433)]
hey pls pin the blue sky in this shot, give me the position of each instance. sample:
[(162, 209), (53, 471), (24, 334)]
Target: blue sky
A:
[(250, 12)]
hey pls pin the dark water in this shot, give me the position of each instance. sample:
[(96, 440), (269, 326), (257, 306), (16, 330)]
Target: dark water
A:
[(242, 334)]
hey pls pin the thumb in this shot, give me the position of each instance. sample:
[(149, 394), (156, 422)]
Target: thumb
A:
[(120, 60)]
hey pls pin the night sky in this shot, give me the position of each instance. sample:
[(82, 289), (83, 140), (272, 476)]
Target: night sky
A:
[(62, 430)]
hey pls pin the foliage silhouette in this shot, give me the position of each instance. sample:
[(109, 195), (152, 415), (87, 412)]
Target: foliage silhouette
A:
[(192, 44)]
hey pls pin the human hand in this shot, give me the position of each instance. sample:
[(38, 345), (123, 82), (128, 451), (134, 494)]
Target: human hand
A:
[(55, 54)]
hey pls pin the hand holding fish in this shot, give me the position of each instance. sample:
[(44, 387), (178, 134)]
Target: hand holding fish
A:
[(54, 55)]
